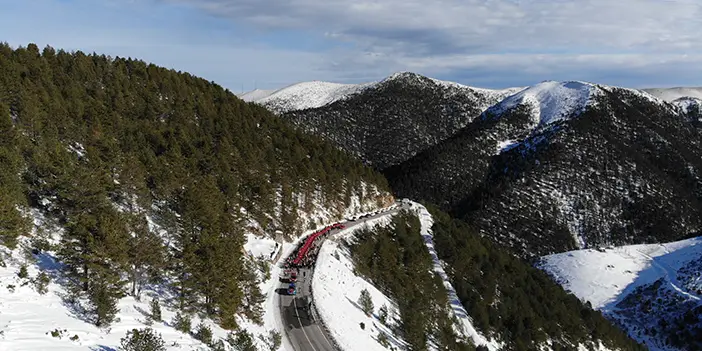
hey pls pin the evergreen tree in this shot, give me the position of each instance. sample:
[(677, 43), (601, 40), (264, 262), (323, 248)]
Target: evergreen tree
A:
[(366, 302), (241, 341), (155, 307), (146, 255), (182, 323), (12, 224), (203, 333), (142, 340)]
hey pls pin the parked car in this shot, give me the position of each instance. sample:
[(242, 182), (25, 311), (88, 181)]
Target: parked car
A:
[(292, 289)]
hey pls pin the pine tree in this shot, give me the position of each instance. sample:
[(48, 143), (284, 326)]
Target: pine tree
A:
[(12, 224), (366, 302), (182, 323), (142, 340), (41, 283), (241, 341), (155, 310), (203, 333), (146, 254)]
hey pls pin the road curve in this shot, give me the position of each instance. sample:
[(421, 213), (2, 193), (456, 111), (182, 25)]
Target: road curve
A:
[(301, 328)]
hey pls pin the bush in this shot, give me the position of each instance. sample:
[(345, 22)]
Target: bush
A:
[(58, 333), (41, 283), (363, 325), (11, 288), (22, 274), (182, 323), (74, 338), (142, 340), (203, 333), (156, 310)]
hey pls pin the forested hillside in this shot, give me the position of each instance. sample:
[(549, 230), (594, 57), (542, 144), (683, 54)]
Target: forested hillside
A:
[(567, 165), (395, 259), (154, 176), (514, 302)]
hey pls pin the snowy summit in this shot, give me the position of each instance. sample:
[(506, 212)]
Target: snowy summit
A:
[(550, 101)]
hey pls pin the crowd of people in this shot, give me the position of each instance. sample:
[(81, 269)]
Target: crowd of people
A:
[(305, 255)]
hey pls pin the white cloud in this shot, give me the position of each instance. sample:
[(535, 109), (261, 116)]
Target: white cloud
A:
[(479, 26), (526, 38)]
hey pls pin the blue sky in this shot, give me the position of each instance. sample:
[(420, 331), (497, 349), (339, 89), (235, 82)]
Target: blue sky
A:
[(242, 44)]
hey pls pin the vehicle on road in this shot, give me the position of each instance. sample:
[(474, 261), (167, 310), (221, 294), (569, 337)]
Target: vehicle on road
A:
[(292, 289)]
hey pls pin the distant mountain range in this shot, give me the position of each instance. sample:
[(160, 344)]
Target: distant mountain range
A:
[(385, 122), (544, 169)]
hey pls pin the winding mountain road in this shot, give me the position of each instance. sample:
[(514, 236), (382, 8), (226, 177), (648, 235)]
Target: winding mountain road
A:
[(303, 330)]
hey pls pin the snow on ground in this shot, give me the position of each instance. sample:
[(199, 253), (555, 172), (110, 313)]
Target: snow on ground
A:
[(605, 277), (458, 310), (27, 318), (257, 246), (336, 290), (550, 101)]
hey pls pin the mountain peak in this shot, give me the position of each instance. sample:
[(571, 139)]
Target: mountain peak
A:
[(550, 101)]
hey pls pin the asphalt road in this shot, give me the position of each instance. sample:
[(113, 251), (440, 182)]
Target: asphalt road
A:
[(304, 333)]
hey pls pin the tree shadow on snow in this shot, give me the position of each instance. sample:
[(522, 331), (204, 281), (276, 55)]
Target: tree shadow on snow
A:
[(50, 265)]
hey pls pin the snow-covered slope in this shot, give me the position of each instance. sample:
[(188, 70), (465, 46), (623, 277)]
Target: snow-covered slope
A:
[(671, 94), (27, 318), (336, 289), (307, 95), (637, 286), (256, 94)]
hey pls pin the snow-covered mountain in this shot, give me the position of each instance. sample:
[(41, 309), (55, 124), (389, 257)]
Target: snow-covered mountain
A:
[(304, 95), (652, 291), (566, 165), (671, 94), (549, 101), (385, 122)]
